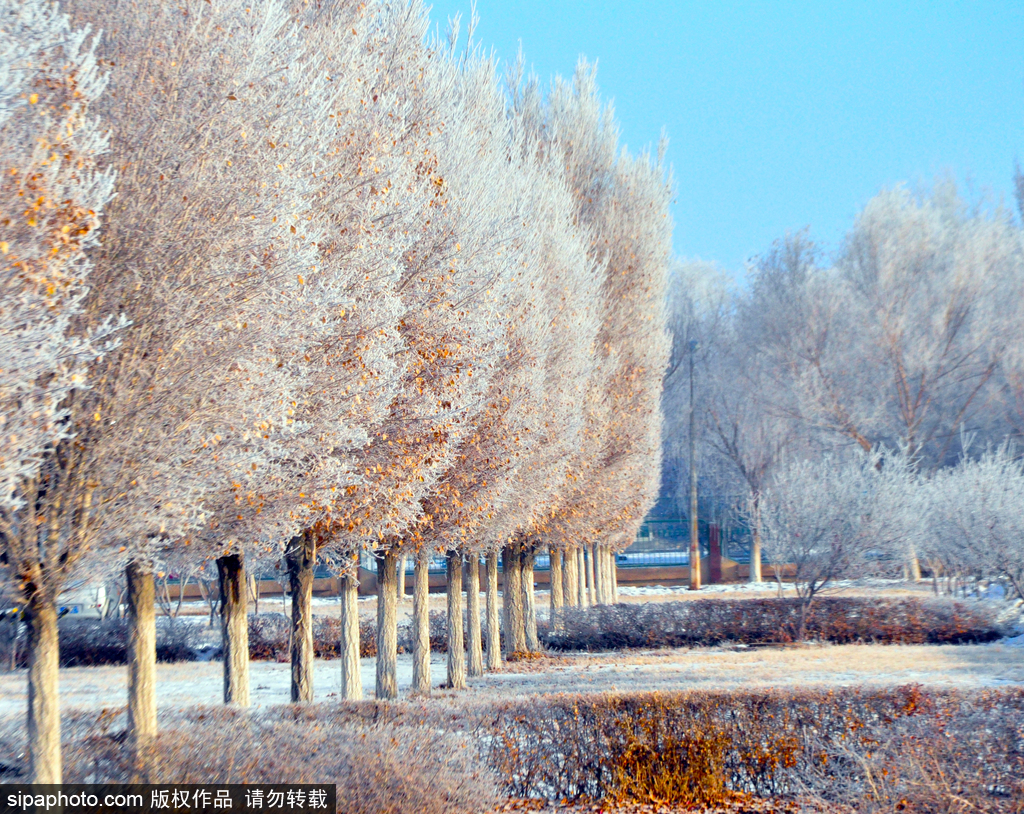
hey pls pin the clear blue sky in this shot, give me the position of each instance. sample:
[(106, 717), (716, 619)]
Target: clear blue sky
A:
[(788, 114)]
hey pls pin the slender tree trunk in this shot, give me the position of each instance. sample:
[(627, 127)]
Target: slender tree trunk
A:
[(301, 559), (141, 664), (43, 693), (421, 624), (571, 579), (755, 545), (475, 652), (591, 570), (600, 583), (351, 672), (512, 601), (493, 622), (401, 578), (914, 566), (254, 592), (234, 628), (387, 625), (581, 582), (529, 600), (556, 587), (614, 582), (607, 566), (456, 640)]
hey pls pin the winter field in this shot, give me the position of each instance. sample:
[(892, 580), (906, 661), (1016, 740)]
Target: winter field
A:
[(189, 700), (186, 685)]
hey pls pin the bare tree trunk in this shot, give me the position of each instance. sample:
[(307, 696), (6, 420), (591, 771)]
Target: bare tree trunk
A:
[(234, 628), (914, 565), (207, 589), (615, 578), (493, 623), (571, 579), (609, 569), (43, 693), (387, 625), (351, 674), (591, 587), (254, 593), (456, 640), (141, 664), (512, 601), (421, 624), (600, 583), (300, 559), (182, 585), (556, 586), (401, 578), (581, 580), (529, 600), (475, 652), (755, 545)]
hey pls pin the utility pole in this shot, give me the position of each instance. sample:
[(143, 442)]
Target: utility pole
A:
[(694, 542)]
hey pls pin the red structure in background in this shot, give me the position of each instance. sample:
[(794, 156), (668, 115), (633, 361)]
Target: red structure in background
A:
[(715, 560)]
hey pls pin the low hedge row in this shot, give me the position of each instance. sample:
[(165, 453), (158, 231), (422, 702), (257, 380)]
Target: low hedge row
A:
[(700, 622), (378, 766), (268, 636), (876, 750), (89, 643), (839, 620)]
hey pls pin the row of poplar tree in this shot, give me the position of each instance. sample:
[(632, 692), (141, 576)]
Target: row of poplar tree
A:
[(299, 280)]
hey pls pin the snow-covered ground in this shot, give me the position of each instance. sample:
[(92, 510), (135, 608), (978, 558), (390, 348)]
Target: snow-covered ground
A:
[(768, 586), (666, 590), (188, 684), (193, 684)]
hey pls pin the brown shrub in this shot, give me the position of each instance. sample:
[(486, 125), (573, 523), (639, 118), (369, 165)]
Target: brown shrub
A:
[(383, 765), (840, 620), (667, 768), (876, 750)]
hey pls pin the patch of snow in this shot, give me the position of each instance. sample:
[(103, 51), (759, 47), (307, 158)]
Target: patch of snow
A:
[(663, 590)]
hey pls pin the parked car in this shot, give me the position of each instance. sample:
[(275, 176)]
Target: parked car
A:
[(83, 598)]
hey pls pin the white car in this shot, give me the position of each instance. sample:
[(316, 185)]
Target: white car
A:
[(82, 598)]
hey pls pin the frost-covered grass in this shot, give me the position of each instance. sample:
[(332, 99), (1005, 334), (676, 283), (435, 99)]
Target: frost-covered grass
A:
[(869, 586), (190, 684), (964, 667)]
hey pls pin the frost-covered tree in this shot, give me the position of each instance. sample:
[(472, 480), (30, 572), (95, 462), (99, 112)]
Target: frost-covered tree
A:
[(191, 424), (900, 342), (52, 196), (623, 200), (924, 278), (975, 519), (831, 517)]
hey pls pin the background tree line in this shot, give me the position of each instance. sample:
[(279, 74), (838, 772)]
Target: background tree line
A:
[(865, 408)]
